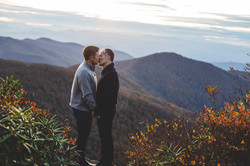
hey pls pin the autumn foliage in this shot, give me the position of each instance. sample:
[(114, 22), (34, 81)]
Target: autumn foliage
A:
[(29, 135), (215, 137)]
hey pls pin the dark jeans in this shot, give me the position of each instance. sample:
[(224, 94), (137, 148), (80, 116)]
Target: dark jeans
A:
[(105, 124), (83, 120)]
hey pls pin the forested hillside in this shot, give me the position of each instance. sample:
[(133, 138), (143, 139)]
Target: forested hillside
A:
[(51, 88), (180, 80)]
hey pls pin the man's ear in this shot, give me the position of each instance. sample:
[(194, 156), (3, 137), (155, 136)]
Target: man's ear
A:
[(91, 58), (109, 57)]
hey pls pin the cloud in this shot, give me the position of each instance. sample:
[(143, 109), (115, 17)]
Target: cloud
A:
[(37, 24), (149, 5), (17, 12), (244, 18), (24, 10), (227, 40), (232, 20), (217, 22), (6, 19)]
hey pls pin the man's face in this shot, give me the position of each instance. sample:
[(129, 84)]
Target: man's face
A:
[(103, 58), (95, 59)]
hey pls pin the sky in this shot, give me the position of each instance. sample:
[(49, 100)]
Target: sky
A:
[(206, 30)]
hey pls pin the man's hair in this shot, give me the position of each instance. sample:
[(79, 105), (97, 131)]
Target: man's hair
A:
[(110, 52), (90, 51)]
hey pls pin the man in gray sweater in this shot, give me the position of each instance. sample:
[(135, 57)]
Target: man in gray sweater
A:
[(83, 96)]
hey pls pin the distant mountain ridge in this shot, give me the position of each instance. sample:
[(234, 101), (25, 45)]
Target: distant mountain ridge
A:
[(179, 80), (44, 50)]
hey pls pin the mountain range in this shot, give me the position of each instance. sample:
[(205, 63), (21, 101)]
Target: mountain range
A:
[(168, 76), (44, 50)]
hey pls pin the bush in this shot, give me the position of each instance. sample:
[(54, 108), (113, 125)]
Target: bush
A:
[(161, 144), (28, 135), (215, 137)]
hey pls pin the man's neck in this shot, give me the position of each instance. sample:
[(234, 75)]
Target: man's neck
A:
[(91, 64), (108, 63)]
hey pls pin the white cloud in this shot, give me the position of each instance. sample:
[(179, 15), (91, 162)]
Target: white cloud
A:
[(16, 11), (228, 40), (37, 24), (26, 12), (6, 19)]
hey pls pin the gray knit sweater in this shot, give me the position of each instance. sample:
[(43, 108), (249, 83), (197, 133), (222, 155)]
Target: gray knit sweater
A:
[(83, 92)]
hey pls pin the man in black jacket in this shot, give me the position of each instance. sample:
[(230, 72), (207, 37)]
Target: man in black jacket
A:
[(106, 100)]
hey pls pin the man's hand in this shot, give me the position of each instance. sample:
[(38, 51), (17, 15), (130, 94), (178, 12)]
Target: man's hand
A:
[(92, 114), (95, 116)]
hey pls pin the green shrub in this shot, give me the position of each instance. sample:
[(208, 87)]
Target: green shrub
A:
[(28, 135)]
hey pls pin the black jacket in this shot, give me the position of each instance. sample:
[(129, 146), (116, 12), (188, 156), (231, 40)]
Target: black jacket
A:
[(107, 90)]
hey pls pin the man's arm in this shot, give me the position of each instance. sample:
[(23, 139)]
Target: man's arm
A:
[(84, 82), (90, 101)]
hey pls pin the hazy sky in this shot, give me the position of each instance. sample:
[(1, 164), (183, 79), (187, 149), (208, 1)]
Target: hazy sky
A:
[(148, 11), (209, 30)]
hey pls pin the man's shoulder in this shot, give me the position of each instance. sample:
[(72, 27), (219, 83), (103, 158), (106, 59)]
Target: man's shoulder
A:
[(111, 74), (114, 72), (83, 71)]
